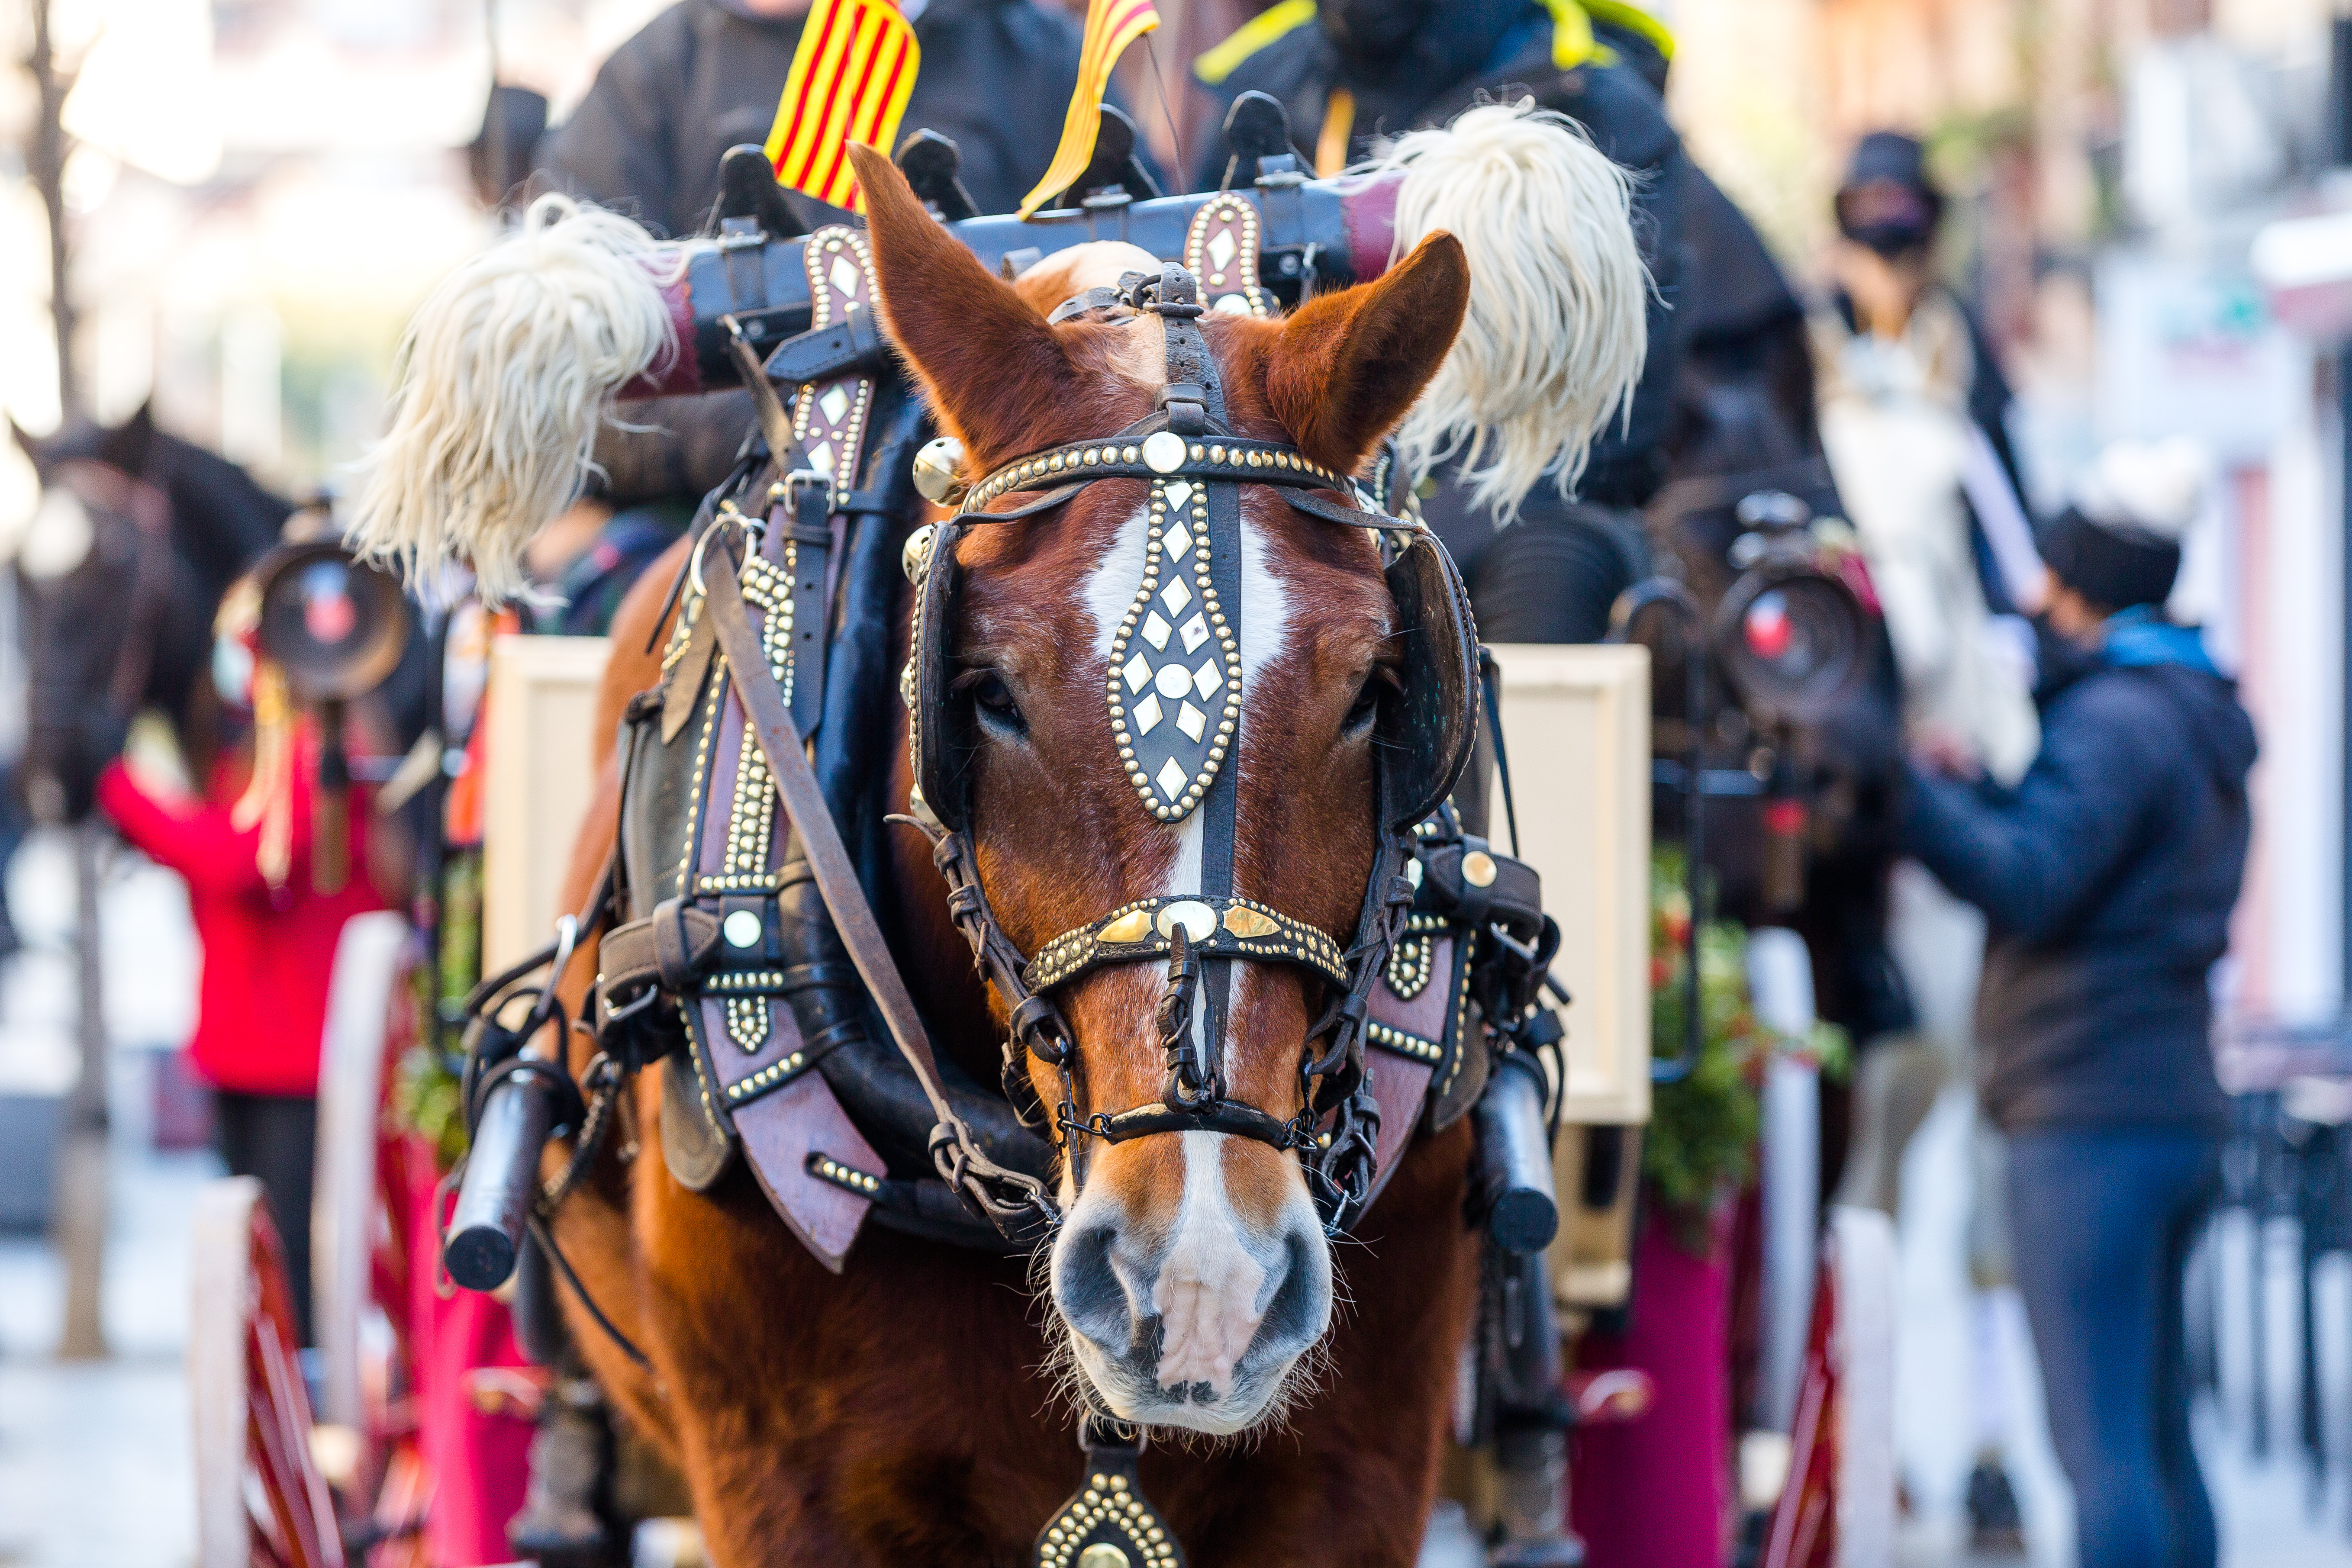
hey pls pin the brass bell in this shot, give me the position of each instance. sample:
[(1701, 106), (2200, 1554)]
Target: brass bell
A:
[(939, 471), (916, 553)]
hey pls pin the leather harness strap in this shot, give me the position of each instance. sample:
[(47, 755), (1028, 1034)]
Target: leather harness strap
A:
[(999, 1192)]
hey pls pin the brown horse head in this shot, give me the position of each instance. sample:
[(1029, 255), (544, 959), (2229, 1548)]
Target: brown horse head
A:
[(1192, 1273)]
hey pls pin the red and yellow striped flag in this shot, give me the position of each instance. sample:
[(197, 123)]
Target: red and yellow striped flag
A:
[(849, 83), (1111, 26)]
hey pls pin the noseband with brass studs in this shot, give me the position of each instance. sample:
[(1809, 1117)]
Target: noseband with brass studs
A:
[(1174, 703)]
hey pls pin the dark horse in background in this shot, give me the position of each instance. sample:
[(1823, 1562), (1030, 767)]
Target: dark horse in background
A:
[(139, 536)]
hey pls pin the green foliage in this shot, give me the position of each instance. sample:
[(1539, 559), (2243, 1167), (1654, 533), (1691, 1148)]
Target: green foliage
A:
[(424, 1097), (1702, 1135)]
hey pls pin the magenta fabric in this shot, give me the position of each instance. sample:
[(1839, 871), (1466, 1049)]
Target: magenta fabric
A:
[(1655, 1491), (480, 1462)]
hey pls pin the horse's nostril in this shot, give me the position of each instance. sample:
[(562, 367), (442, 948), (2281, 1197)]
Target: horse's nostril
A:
[(1298, 1308), (1084, 1284)]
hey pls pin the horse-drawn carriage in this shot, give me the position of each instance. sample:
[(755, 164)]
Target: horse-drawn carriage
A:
[(1029, 869)]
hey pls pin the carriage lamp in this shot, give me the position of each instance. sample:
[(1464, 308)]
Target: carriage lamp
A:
[(1791, 633), (338, 628)]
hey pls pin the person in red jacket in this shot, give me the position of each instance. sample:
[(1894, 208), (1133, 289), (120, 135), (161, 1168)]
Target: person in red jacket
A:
[(268, 935)]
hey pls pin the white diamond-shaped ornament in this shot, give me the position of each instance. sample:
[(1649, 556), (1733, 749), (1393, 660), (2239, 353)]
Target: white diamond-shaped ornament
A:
[(1170, 779), (834, 403), (1194, 632), (1206, 681), (1138, 671), (1155, 630), (1191, 721), (845, 276), (1178, 494), (1221, 249), (1178, 543), (1176, 596), (1147, 715)]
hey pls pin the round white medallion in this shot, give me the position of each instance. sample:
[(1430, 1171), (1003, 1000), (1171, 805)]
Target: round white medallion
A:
[(741, 929), (1163, 451), (1198, 919), (1173, 680)]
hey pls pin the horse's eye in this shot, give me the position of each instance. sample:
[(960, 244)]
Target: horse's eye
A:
[(994, 699), (1367, 705)]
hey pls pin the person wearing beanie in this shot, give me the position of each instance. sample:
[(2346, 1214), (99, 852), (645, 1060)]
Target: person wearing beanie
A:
[(2107, 877)]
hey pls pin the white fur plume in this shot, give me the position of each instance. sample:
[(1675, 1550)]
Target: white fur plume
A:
[(504, 374), (1556, 334)]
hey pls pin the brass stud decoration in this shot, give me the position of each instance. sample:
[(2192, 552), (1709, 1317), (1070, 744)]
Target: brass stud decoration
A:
[(1108, 1523), (1174, 685)]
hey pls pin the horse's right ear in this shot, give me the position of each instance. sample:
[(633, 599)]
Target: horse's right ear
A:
[(991, 364)]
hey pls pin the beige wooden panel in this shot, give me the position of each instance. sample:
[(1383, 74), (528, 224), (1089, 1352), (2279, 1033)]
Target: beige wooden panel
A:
[(542, 708), (1577, 719)]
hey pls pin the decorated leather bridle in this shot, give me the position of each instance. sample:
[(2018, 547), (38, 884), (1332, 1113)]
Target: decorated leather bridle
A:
[(113, 492), (1175, 704)]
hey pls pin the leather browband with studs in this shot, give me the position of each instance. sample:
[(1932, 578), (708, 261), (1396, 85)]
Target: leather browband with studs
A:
[(1164, 455), (1217, 928)]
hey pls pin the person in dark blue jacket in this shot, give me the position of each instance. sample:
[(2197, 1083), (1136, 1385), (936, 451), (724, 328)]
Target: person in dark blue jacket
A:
[(2107, 877)]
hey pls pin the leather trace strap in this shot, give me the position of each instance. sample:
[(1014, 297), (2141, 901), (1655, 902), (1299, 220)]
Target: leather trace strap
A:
[(1010, 1198)]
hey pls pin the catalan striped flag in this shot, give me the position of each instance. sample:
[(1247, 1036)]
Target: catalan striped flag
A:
[(1111, 26), (849, 83)]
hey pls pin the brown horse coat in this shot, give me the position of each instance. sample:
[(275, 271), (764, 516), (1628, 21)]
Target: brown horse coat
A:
[(903, 1412)]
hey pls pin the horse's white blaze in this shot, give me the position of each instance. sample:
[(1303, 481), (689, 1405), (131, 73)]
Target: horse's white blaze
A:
[(1116, 578), (1217, 1273), (1220, 1272), (1212, 1289)]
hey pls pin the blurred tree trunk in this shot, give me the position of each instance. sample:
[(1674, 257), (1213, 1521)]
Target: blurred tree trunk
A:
[(45, 162), (78, 1225)]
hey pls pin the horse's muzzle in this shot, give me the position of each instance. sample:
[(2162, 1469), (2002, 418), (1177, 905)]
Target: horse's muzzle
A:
[(1199, 1323)]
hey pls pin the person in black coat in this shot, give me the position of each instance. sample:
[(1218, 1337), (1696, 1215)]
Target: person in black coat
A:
[(996, 78), (2107, 878), (1349, 72)]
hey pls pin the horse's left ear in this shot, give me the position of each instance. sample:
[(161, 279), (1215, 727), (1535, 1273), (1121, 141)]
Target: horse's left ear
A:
[(987, 358), (1348, 365)]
